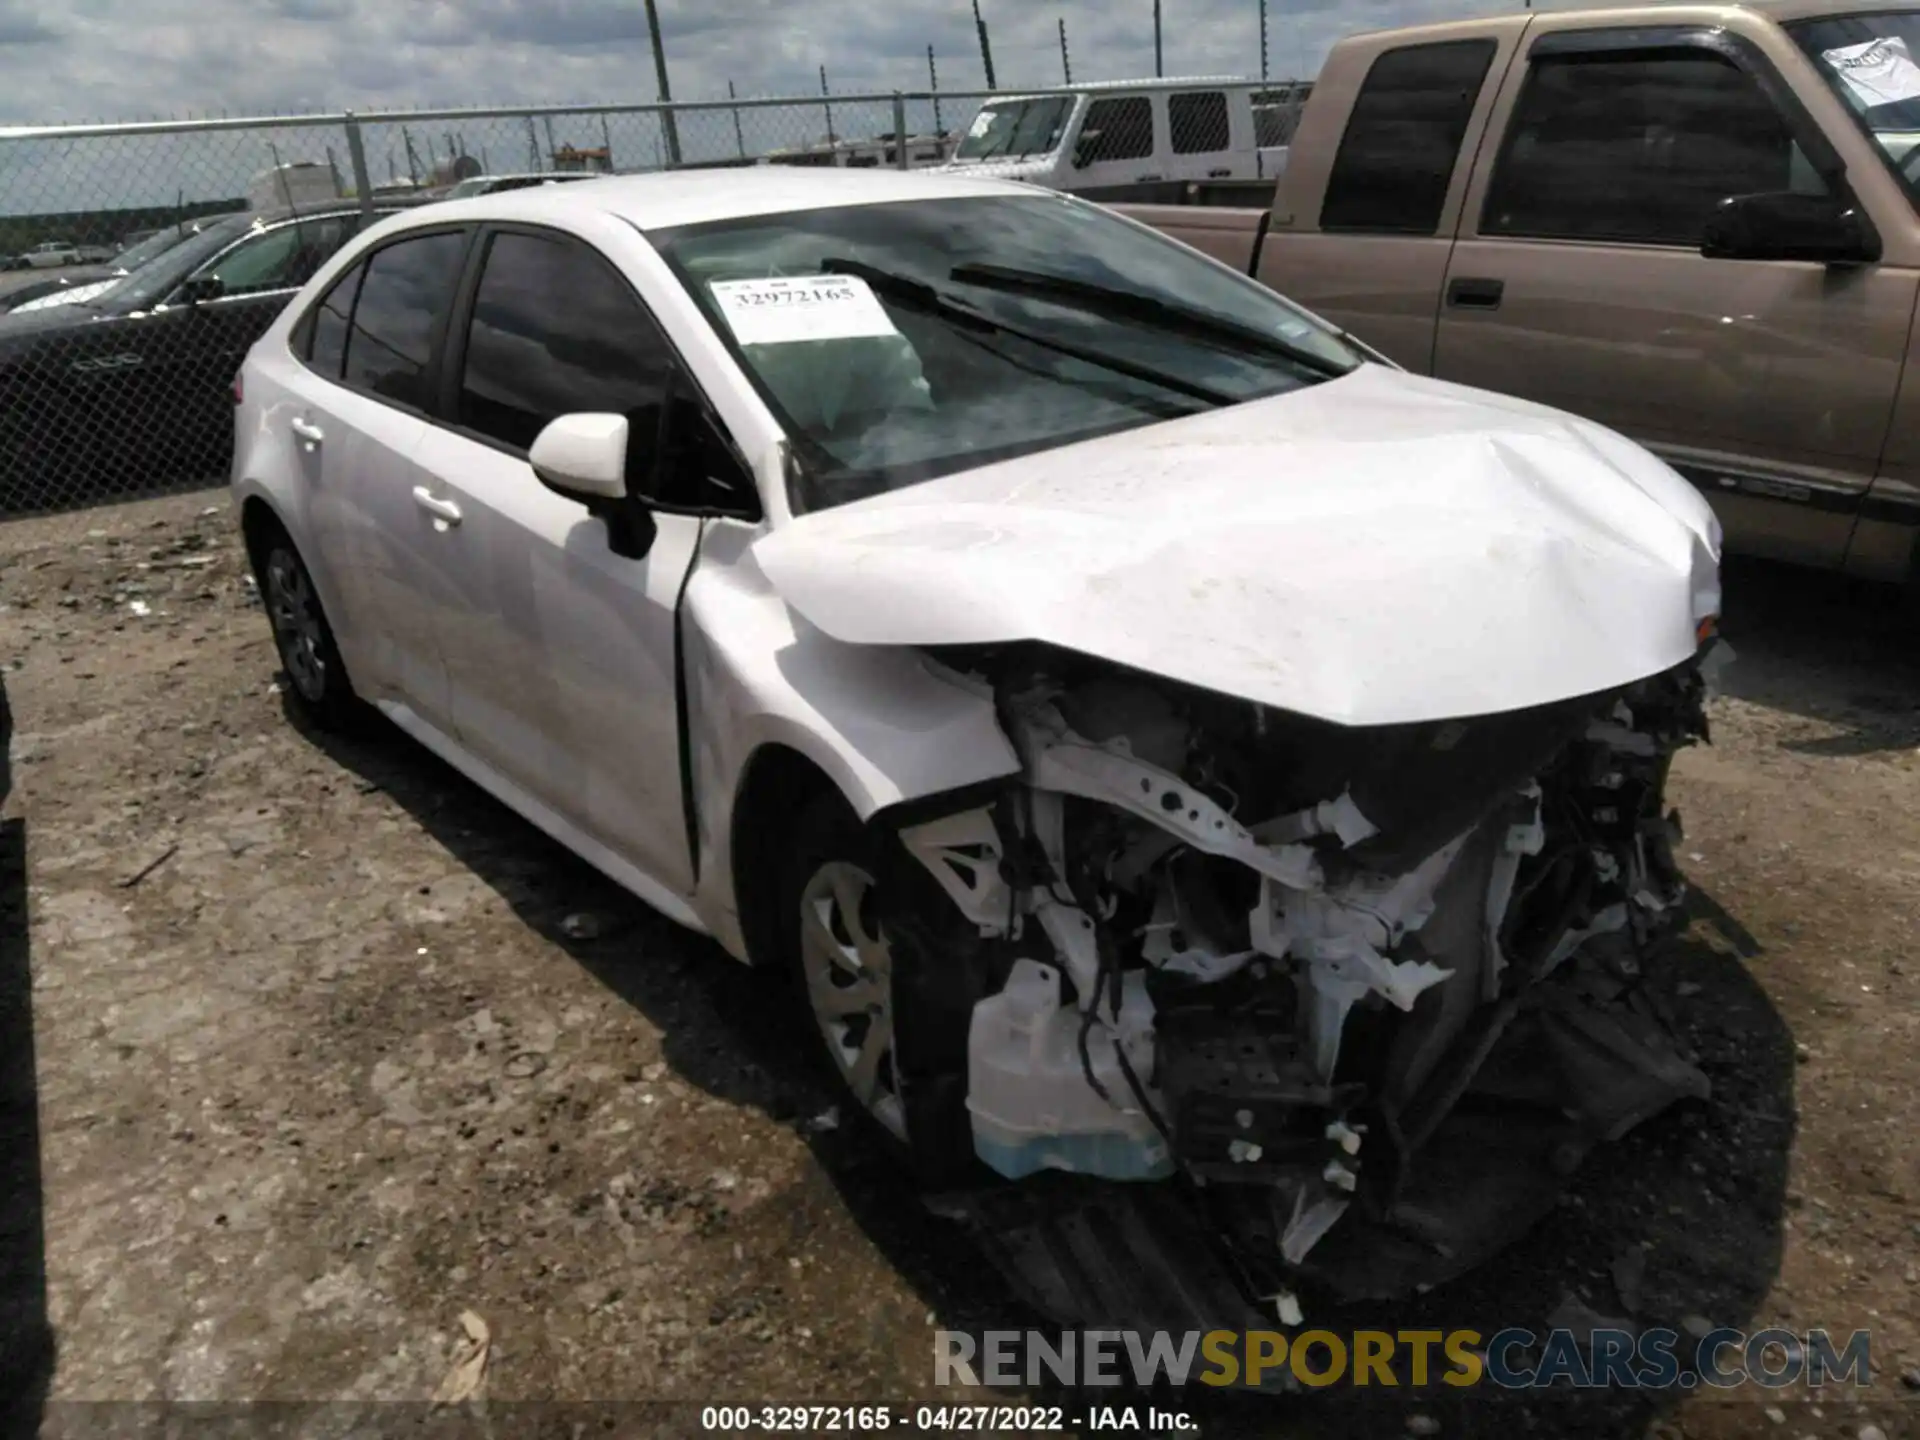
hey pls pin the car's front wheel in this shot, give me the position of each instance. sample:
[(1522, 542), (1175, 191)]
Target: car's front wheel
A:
[(316, 676), (889, 973), (845, 961)]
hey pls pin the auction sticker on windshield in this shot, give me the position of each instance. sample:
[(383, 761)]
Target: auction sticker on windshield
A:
[(1879, 72), (787, 309)]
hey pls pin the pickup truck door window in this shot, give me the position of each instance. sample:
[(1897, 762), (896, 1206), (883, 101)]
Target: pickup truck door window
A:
[(1378, 260), (1769, 383), (1396, 159), (1638, 148), (561, 655)]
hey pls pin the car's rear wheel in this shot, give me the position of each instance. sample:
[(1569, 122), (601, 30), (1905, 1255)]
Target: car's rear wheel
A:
[(317, 679)]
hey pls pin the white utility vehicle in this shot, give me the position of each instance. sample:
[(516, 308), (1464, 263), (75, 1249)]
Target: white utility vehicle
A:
[(1114, 137)]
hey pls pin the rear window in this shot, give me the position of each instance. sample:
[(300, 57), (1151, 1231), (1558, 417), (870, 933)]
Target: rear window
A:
[(1403, 138)]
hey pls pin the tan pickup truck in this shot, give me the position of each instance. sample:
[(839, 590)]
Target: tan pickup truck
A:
[(1698, 224)]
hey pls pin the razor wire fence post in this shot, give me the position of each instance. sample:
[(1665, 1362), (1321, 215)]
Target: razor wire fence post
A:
[(668, 126), (357, 159), (900, 147)]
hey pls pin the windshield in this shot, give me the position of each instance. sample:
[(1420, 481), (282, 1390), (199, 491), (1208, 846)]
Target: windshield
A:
[(1872, 62), (156, 280), (1015, 127), (895, 343)]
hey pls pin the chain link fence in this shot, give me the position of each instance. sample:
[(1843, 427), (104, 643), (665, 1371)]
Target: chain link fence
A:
[(139, 262)]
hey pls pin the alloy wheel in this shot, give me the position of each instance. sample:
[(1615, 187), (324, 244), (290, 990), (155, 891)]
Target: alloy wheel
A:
[(297, 626), (847, 964)]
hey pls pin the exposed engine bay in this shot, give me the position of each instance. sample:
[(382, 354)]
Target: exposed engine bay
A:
[(1349, 1001)]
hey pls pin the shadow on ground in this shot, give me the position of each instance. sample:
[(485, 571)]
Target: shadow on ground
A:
[(26, 1337), (1700, 1190), (1825, 647)]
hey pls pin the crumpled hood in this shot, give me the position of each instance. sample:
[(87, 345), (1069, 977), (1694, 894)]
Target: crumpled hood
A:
[(1379, 549)]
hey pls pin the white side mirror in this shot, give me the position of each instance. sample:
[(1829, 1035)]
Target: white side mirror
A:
[(584, 455)]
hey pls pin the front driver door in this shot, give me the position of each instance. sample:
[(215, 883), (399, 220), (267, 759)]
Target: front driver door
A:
[(560, 654)]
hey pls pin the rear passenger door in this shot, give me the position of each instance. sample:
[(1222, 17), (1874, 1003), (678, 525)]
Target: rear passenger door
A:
[(1578, 280), (374, 336), (560, 654), (1373, 256)]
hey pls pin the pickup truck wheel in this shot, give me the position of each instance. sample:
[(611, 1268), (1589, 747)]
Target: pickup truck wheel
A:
[(316, 675)]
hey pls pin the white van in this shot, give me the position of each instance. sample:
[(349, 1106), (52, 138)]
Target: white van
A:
[(1123, 134)]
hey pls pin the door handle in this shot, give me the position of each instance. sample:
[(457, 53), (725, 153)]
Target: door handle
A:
[(1475, 293), (440, 509), (307, 430), (1145, 179)]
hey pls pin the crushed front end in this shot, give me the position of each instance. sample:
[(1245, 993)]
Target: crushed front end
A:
[(1355, 1000)]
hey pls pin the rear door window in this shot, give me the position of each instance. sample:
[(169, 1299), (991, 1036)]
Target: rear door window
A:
[(1638, 147), (1403, 138), (326, 325), (1118, 129), (407, 291), (1198, 122)]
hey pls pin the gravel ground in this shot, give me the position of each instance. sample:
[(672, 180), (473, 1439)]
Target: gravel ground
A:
[(308, 1049)]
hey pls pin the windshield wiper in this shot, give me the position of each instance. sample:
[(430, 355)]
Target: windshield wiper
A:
[(1158, 314), (924, 297)]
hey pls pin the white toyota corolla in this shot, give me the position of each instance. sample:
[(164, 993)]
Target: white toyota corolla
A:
[(1165, 742)]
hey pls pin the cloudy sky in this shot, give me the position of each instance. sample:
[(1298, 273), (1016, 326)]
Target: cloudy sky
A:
[(64, 60)]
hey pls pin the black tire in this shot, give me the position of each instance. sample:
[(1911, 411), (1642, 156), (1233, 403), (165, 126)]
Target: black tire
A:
[(317, 683), (918, 1109)]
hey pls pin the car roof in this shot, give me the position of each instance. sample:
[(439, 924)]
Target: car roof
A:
[(665, 199)]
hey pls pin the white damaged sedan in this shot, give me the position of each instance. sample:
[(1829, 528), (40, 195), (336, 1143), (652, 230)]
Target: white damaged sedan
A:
[(1165, 743)]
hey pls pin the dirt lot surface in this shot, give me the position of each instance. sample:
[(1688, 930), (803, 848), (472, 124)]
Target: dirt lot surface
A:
[(307, 1047)]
